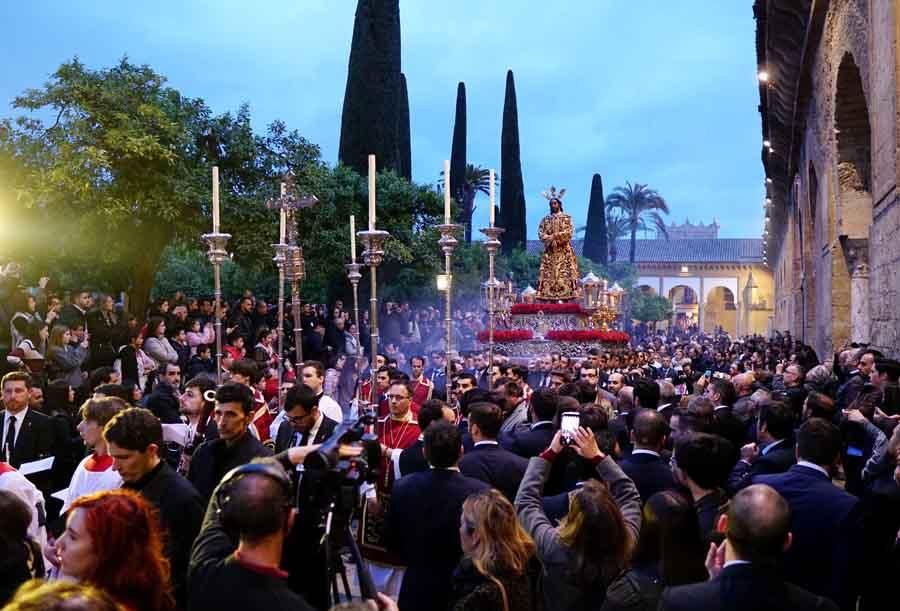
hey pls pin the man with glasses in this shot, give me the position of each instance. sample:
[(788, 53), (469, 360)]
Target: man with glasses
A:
[(305, 425)]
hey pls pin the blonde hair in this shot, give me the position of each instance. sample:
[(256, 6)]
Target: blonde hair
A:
[(56, 336), (503, 546)]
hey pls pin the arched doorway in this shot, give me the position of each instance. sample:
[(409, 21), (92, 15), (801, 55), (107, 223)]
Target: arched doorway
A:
[(850, 270), (720, 310), (685, 306)]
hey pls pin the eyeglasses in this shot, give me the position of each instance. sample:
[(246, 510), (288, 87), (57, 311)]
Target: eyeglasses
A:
[(297, 419)]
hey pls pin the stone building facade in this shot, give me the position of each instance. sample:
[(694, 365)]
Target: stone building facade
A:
[(712, 282), (828, 102)]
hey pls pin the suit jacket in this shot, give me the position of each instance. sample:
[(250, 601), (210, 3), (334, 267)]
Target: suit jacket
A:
[(286, 433), (164, 404), (495, 466), (729, 426), (777, 460), (532, 441), (39, 437), (743, 587), (423, 530), (649, 473), (214, 458), (827, 526), (412, 459)]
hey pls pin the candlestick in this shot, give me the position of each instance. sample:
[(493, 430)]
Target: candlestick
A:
[(373, 255), (371, 192), (492, 286), (217, 254), (446, 192), (448, 243), (491, 179), (215, 195), (352, 239)]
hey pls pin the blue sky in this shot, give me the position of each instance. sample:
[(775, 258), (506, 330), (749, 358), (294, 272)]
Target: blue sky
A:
[(649, 91)]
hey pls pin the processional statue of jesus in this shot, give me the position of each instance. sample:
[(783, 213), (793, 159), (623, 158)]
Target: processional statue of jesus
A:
[(558, 280)]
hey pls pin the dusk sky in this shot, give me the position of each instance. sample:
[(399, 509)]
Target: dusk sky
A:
[(649, 91)]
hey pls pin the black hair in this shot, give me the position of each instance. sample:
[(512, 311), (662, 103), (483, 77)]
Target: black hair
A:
[(706, 459), (135, 429), (646, 393), (232, 392), (443, 444), (818, 441), (778, 418), (431, 411), (544, 403), (488, 417), (247, 368), (300, 395)]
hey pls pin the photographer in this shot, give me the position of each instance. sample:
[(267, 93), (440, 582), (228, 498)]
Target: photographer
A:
[(254, 502)]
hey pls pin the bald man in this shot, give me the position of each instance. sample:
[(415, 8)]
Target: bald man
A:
[(742, 569), (744, 406)]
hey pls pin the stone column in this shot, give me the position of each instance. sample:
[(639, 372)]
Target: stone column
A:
[(860, 325), (701, 299)]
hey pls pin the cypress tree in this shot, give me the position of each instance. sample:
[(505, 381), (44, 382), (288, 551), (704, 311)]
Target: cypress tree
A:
[(403, 139), (595, 236), (512, 188), (458, 148), (369, 121)]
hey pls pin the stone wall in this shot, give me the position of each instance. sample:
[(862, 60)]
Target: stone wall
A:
[(847, 188)]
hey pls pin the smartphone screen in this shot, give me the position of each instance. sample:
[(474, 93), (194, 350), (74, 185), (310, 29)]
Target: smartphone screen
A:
[(708, 373), (569, 424)]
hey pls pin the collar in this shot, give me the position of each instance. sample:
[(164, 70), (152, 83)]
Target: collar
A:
[(663, 406), (766, 449), (20, 416), (644, 451), (815, 467), (444, 469), (718, 407), (407, 418), (486, 442), (262, 569), (734, 563), (541, 423), (145, 479)]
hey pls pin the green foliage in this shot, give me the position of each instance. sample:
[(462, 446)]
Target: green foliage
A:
[(647, 307), (639, 206), (595, 238), (512, 185)]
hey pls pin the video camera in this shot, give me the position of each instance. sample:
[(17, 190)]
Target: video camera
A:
[(329, 491)]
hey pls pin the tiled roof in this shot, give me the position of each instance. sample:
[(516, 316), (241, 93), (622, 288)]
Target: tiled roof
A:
[(718, 250)]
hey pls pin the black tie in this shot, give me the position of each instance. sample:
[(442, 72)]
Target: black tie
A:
[(301, 438), (10, 442)]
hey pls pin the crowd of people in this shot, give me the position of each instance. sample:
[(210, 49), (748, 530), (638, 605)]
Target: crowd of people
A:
[(679, 472)]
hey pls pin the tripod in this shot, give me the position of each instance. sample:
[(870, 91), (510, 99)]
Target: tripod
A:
[(337, 535)]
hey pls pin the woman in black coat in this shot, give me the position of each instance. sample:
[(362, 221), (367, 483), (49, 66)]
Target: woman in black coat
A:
[(494, 574)]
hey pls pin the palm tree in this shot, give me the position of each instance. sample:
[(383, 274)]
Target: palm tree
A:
[(477, 181), (640, 206)]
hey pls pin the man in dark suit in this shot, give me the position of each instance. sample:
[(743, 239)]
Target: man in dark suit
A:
[(725, 424), (774, 452), (134, 438), (826, 521), (488, 461), (29, 435), (74, 314), (412, 459), (423, 520), (743, 568), (304, 424), (645, 467), (235, 446), (534, 440)]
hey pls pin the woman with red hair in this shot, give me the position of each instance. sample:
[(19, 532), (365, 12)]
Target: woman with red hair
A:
[(112, 541)]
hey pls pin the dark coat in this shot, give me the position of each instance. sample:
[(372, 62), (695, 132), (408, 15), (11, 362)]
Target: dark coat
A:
[(649, 473), (634, 590), (472, 591), (285, 434), (743, 587), (180, 512), (39, 437), (214, 458), (532, 441), (826, 524), (412, 459), (495, 466), (423, 530), (777, 460), (164, 403), (103, 331)]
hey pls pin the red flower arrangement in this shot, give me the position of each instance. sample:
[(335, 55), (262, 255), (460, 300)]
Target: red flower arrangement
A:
[(507, 335), (546, 308), (589, 335)]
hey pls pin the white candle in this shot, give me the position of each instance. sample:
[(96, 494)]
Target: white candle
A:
[(491, 179), (446, 191), (352, 238), (371, 192), (215, 194), (282, 217)]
